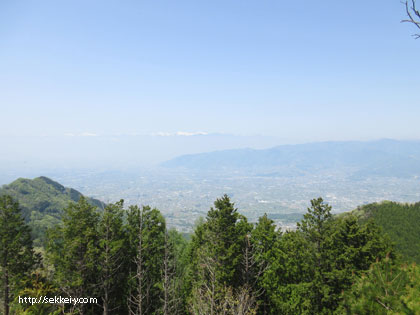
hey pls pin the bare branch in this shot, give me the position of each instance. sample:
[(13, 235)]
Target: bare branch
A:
[(413, 15)]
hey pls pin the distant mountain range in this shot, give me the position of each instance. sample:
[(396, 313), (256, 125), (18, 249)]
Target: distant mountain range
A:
[(373, 158), (42, 201), (41, 155)]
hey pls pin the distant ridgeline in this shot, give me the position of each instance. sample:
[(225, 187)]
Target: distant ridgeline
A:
[(385, 158), (400, 221), (42, 201)]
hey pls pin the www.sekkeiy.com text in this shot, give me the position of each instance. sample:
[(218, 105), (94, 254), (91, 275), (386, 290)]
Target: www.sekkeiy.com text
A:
[(57, 300)]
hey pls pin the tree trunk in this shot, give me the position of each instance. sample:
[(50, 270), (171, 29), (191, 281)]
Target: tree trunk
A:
[(106, 277), (140, 296), (105, 306), (6, 292)]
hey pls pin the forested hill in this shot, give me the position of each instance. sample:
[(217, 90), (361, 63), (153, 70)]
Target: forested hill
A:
[(381, 158), (400, 221), (42, 201), (130, 263), (327, 265)]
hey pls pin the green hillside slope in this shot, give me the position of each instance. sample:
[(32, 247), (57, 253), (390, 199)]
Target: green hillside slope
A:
[(400, 221), (42, 201)]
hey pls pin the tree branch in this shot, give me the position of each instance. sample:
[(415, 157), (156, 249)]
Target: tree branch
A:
[(413, 15)]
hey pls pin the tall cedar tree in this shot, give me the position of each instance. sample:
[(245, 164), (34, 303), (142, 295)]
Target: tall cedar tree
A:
[(316, 228), (310, 268), (17, 257), (179, 261), (226, 234), (146, 230), (264, 239), (171, 300), (288, 275), (217, 258), (111, 262), (73, 251)]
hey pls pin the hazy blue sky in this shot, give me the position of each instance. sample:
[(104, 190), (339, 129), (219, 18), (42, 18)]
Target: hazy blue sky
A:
[(299, 70)]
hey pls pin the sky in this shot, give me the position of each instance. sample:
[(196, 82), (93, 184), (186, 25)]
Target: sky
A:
[(298, 71)]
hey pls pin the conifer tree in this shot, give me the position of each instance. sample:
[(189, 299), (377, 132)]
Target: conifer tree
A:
[(17, 257), (171, 277), (73, 251), (38, 287), (146, 231), (264, 241), (316, 228), (311, 267), (217, 256), (379, 290), (111, 257), (225, 236), (287, 279), (411, 298)]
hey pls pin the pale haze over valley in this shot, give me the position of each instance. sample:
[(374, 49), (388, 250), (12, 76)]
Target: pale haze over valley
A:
[(174, 104)]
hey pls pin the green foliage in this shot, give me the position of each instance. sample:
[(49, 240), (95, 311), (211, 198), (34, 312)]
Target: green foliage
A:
[(38, 287), (146, 236), (400, 222), (264, 239), (411, 298), (178, 246), (73, 251), (17, 257), (224, 233), (310, 268), (112, 246), (379, 291), (217, 257), (287, 279), (316, 228), (42, 201), (133, 264)]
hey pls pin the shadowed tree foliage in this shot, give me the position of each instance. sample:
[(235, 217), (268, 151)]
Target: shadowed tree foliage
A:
[(132, 264), (399, 221), (217, 253), (386, 288), (146, 235), (112, 245), (264, 240), (37, 287), (17, 257), (73, 252), (310, 268)]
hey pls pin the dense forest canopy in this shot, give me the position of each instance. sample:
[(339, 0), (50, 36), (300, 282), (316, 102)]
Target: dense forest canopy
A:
[(128, 260), (400, 221)]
